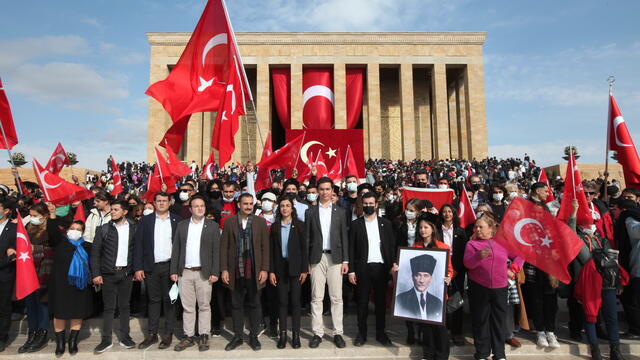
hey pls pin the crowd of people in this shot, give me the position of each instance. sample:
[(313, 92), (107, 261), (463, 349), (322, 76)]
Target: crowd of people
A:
[(217, 247)]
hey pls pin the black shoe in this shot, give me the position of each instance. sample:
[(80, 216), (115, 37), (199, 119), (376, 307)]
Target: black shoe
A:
[(339, 341), (127, 342), (3, 345), (615, 353), (148, 341), (73, 341), (595, 352), (104, 345), (458, 340), (203, 342), (25, 347), (360, 340), (184, 343), (165, 341), (273, 330), (60, 342), (40, 341), (383, 339), (234, 343), (295, 339), (216, 332), (254, 343), (282, 341), (315, 341)]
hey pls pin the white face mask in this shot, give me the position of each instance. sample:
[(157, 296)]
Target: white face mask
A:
[(267, 205), (590, 230), (498, 197), (513, 195), (352, 187), (227, 200), (35, 221), (442, 186), (74, 234), (392, 198), (146, 212), (312, 197), (183, 196), (174, 292), (410, 214)]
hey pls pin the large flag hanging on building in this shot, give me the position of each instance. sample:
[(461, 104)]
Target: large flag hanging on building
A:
[(58, 160), (573, 190), (544, 179), (8, 139), (317, 98), (117, 179), (26, 277), (529, 231), (355, 85), (620, 141), (438, 197), (58, 190)]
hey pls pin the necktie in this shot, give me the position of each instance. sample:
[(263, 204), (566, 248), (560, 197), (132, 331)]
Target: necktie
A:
[(422, 302)]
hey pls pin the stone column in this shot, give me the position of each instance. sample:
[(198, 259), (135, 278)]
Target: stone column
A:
[(441, 116), (207, 131), (453, 120), (340, 96), (373, 102), (263, 106), (462, 116), (296, 96), (476, 111), (408, 118), (194, 138)]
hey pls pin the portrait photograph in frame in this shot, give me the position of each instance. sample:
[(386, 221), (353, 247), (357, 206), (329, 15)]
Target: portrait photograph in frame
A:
[(419, 293)]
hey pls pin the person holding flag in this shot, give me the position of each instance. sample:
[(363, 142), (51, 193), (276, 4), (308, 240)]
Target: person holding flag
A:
[(7, 267)]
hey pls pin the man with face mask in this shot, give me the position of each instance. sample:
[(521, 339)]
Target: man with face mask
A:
[(228, 202), (371, 253), (7, 268), (421, 179), (181, 206), (268, 202), (348, 200), (291, 190), (214, 195), (312, 195)]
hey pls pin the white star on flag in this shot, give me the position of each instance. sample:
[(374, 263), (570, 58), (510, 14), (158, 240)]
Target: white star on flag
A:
[(331, 153), (24, 256)]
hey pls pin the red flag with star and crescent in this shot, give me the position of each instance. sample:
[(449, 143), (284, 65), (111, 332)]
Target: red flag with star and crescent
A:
[(531, 232), (573, 190), (465, 209), (117, 179), (9, 139), (544, 179), (620, 141), (207, 169), (58, 160), (26, 276), (58, 190), (283, 158), (317, 98)]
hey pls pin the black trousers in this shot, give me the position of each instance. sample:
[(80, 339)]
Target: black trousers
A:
[(219, 301), (116, 287), (6, 292), (269, 301), (289, 293), (375, 277), (576, 315), (245, 295), (455, 319), (542, 304), (488, 316), (435, 342), (158, 285), (631, 305)]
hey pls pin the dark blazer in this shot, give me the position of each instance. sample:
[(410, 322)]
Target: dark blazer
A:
[(228, 255), (409, 306), (297, 246), (143, 245), (359, 245), (209, 248), (105, 249), (402, 238), (457, 257), (7, 241), (338, 234)]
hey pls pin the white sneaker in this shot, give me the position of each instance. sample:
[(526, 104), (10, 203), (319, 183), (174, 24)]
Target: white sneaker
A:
[(552, 340), (542, 339)]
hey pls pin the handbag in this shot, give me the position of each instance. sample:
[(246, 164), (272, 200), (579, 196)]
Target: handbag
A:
[(454, 302)]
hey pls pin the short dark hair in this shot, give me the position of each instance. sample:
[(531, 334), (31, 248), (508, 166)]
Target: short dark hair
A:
[(626, 204), (244, 195), (102, 195), (123, 204), (369, 194), (291, 181), (421, 172), (349, 176), (229, 183), (79, 222), (538, 185), (163, 194), (324, 180), (633, 191), (188, 184), (197, 197)]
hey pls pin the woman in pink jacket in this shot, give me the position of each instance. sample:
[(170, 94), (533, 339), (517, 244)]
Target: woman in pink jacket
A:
[(488, 276)]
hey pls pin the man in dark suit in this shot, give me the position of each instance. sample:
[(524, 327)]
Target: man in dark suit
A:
[(7, 268), (244, 261), (326, 230), (195, 265), (151, 262), (111, 267), (371, 253), (417, 302)]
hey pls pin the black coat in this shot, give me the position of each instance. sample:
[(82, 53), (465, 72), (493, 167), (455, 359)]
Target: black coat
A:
[(338, 235), (458, 246), (143, 245), (105, 249), (7, 241), (297, 249), (407, 305), (359, 245), (209, 248)]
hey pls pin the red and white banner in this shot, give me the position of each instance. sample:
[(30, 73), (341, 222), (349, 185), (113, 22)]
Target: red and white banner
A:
[(355, 80), (438, 197), (58, 160), (281, 82), (26, 277), (58, 190), (620, 141), (9, 139), (573, 190), (317, 98), (117, 179)]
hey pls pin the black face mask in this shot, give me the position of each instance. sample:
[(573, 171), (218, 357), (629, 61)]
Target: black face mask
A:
[(475, 187), (421, 185), (215, 194), (368, 210), (275, 191), (302, 194)]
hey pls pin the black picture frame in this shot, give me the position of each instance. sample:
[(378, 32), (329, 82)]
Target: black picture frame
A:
[(436, 290)]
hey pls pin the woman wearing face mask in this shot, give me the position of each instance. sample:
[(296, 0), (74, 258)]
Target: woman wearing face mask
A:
[(267, 205), (148, 209), (70, 297), (456, 238), (498, 201), (42, 228)]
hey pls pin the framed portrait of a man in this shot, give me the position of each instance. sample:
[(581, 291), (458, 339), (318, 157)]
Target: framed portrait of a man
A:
[(420, 290)]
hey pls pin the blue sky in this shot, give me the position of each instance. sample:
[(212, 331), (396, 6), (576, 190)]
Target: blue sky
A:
[(76, 71)]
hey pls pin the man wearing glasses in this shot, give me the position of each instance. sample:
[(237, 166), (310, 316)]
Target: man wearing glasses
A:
[(600, 212)]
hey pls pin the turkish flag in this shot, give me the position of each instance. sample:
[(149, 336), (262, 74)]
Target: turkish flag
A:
[(465, 210), (317, 98), (56, 189), (351, 166), (543, 179), (281, 85), (331, 142), (79, 215), (283, 158), (228, 116), (573, 190), (161, 176), (267, 150), (335, 173), (355, 86), (438, 197), (58, 160), (176, 167), (535, 235), (8, 137), (174, 137), (26, 277), (620, 141), (117, 180), (208, 168)]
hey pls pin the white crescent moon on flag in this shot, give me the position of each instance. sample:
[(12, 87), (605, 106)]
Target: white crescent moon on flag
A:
[(518, 228), (44, 182), (616, 122), (219, 39), (23, 237), (119, 179), (462, 208), (305, 148), (317, 90), (207, 171)]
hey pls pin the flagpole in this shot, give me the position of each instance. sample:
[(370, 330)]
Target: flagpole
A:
[(6, 144), (572, 159), (295, 166), (611, 79), (159, 167)]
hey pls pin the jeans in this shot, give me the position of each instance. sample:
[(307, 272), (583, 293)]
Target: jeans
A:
[(37, 312), (116, 287), (609, 312)]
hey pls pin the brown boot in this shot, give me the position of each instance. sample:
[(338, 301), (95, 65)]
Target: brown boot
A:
[(165, 341), (148, 341)]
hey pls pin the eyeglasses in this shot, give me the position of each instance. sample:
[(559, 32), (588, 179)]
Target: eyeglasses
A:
[(590, 193)]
